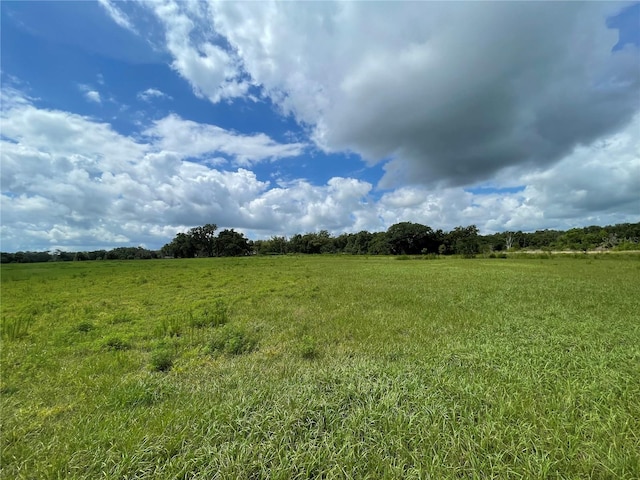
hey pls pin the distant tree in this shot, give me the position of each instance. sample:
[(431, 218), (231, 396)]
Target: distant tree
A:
[(464, 241), (79, 256), (204, 239), (231, 244), (609, 240), (62, 256), (130, 253), (539, 239), (358, 243), (326, 242), (180, 247), (379, 244), (296, 244), (411, 238), (278, 245), (96, 255), (274, 246), (312, 242), (572, 240), (340, 242)]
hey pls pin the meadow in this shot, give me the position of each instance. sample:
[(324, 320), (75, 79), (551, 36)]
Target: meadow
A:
[(329, 367)]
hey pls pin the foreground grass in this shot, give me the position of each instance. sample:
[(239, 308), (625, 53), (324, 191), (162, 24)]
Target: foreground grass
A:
[(321, 367)]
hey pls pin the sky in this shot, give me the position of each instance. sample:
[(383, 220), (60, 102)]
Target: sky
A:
[(124, 123)]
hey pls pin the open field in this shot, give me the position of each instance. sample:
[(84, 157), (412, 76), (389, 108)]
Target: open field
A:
[(322, 367)]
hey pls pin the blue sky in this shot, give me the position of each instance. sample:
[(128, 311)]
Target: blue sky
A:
[(126, 122)]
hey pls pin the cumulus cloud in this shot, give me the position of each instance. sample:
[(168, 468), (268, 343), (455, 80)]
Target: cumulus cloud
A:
[(193, 139), (593, 185), (595, 180), (212, 71), (151, 93), (69, 180), (90, 94), (93, 96), (462, 91)]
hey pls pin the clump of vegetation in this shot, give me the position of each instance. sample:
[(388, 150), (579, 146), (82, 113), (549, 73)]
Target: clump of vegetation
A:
[(8, 390), (116, 343), (170, 326), (162, 359), (308, 347), (84, 327), (233, 340), (211, 316), (134, 393)]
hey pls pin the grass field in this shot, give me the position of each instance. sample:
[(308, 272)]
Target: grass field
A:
[(322, 367)]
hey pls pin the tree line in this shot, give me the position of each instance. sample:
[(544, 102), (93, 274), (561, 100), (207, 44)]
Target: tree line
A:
[(407, 238), (120, 253), (404, 238)]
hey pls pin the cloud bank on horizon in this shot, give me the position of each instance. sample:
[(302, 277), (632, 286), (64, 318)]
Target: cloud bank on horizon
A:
[(282, 118)]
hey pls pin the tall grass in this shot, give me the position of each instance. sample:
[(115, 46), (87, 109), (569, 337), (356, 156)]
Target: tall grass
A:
[(322, 367)]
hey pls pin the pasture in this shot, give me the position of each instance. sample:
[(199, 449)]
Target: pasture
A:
[(340, 367)]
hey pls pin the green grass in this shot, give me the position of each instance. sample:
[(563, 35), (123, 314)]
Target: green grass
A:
[(322, 367)]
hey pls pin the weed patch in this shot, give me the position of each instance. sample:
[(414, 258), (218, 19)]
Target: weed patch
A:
[(83, 327), (307, 347), (233, 340), (214, 315), (171, 326), (116, 343), (162, 360)]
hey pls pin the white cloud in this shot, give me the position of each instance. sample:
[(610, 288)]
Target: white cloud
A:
[(93, 96), (193, 139), (70, 181), (461, 92), (117, 15), (340, 205), (151, 93), (90, 94), (212, 71), (70, 178)]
